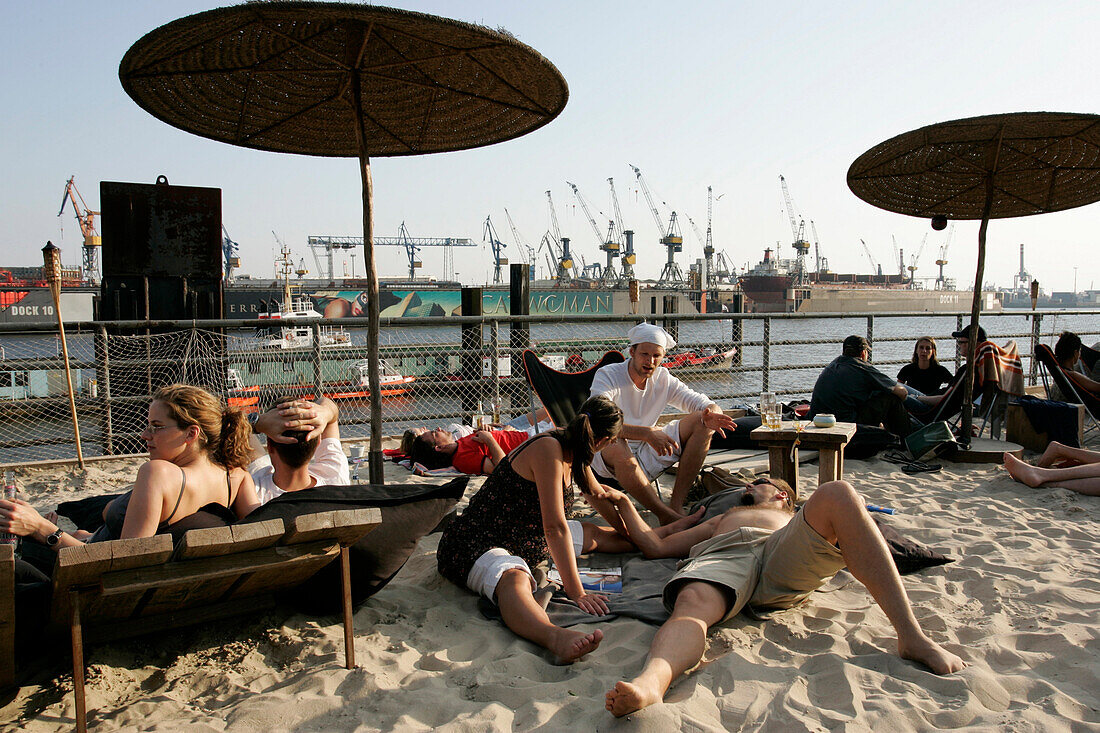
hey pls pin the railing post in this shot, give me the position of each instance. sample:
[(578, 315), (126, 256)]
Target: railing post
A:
[(1036, 332), (318, 378), (104, 380), (519, 334), (766, 359), (671, 307), (472, 351), (494, 366), (737, 336), (871, 330)]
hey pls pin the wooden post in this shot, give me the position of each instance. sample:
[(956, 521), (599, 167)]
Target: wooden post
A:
[(78, 662), (7, 615), (345, 588), (52, 268), (472, 351)]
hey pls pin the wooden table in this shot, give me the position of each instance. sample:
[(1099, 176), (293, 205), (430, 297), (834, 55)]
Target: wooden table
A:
[(783, 453)]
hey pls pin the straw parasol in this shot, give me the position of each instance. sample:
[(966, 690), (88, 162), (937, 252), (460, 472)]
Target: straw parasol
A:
[(335, 79), (989, 167)]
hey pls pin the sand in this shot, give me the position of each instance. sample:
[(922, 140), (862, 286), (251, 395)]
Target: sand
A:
[(1020, 605)]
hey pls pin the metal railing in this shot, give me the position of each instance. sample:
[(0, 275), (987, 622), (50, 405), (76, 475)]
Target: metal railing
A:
[(454, 362)]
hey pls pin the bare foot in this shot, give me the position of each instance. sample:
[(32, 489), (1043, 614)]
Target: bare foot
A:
[(629, 697), (932, 655), (1022, 472), (569, 646)]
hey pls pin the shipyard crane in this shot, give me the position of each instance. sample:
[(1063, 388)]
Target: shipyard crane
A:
[(915, 258), (230, 254), (723, 272), (529, 257), (672, 240), (875, 266), (85, 219), (708, 246), (497, 246), (328, 243), (608, 245), (566, 270), (626, 236), (798, 231), (821, 264), (941, 283), (899, 255)]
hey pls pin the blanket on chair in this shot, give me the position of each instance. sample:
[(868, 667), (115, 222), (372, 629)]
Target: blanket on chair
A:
[(1000, 364)]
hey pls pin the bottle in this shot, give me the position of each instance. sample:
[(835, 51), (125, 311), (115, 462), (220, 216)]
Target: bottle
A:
[(7, 538)]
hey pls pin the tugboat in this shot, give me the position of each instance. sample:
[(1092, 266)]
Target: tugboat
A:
[(294, 314)]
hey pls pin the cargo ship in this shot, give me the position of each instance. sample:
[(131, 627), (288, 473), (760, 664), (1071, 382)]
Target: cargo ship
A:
[(774, 285)]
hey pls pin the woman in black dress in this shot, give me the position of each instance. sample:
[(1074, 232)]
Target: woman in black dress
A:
[(924, 373), (517, 520)]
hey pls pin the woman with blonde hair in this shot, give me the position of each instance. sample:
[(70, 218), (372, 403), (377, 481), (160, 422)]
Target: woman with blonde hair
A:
[(198, 449)]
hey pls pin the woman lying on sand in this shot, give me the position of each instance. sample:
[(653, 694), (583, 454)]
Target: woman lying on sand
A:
[(197, 452), (1059, 467), (517, 520)]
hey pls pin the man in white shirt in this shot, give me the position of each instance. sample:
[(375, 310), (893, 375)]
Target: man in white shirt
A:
[(642, 388), (303, 448)]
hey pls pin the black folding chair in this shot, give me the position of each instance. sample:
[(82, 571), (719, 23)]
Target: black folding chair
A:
[(1053, 370), (562, 393)]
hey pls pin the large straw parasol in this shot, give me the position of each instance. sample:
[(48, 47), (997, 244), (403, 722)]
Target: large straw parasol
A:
[(334, 79), (990, 167)]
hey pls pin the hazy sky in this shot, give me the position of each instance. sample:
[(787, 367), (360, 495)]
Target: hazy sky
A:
[(724, 94)]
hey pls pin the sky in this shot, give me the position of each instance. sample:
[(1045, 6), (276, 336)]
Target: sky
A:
[(723, 94)]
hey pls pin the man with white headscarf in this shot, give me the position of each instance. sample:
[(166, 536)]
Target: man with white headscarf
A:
[(642, 388)]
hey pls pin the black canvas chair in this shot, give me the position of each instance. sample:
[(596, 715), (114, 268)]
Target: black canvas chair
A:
[(562, 393), (1053, 371), (950, 403)]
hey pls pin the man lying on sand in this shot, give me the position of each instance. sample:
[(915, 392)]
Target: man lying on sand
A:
[(766, 556), (1059, 467)]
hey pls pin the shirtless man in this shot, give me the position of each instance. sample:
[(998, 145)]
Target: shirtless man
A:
[(770, 557)]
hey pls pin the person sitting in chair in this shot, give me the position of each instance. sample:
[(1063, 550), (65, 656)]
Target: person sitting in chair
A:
[(303, 448), (1067, 352), (642, 388), (853, 390)]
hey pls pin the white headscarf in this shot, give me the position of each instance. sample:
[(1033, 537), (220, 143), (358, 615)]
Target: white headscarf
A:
[(647, 333)]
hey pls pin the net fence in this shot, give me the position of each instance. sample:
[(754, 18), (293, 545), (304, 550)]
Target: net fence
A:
[(431, 374)]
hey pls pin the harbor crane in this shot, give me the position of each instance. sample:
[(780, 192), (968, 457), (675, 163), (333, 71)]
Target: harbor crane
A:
[(941, 283), (230, 254), (875, 266), (609, 245), (566, 270), (672, 240), (85, 219), (497, 246), (798, 231), (521, 243), (899, 255), (723, 271), (913, 261), (626, 236), (821, 264), (327, 244)]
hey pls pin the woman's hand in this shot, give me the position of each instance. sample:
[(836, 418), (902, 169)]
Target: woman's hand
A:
[(592, 603), (483, 436), (21, 519)]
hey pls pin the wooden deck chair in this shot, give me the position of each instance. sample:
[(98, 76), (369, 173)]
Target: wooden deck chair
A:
[(562, 393), (124, 588), (1053, 371)]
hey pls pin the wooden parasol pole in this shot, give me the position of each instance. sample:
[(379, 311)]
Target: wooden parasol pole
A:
[(51, 265), (357, 43)]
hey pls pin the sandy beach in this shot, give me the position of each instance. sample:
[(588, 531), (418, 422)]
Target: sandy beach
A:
[(1019, 604)]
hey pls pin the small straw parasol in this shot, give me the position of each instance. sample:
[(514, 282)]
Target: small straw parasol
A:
[(344, 80), (989, 167)]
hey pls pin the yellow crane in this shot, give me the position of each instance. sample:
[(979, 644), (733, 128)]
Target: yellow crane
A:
[(85, 219)]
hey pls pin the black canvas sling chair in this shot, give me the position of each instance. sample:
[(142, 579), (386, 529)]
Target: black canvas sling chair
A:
[(562, 393)]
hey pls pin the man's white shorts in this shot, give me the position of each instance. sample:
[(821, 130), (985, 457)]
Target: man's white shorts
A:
[(651, 463), (491, 566)]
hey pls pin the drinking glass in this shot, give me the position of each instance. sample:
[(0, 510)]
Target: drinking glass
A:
[(767, 409)]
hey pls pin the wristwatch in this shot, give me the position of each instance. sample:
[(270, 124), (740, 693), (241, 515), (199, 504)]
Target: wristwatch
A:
[(53, 538)]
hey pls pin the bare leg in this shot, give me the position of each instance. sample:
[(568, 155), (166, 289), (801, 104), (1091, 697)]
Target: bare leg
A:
[(837, 512), (677, 647), (1058, 453), (634, 482), (694, 443), (528, 619), (1084, 479)]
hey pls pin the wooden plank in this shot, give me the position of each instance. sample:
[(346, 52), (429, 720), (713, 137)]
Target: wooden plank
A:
[(187, 571), (7, 615), (213, 541), (347, 526), (178, 618)]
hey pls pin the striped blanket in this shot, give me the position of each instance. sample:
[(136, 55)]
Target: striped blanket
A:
[(1000, 364)]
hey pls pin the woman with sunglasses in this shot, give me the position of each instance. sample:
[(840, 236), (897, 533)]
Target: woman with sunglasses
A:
[(198, 449)]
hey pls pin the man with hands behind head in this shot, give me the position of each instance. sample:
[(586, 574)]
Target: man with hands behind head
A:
[(303, 448)]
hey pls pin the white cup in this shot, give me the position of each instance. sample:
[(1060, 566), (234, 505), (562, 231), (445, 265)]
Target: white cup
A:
[(356, 450)]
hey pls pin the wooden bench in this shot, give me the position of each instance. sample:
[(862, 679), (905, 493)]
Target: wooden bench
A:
[(125, 588)]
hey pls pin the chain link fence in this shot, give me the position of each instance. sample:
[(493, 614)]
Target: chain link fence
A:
[(434, 371)]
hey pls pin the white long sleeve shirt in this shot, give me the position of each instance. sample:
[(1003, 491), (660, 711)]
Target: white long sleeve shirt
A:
[(643, 406)]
